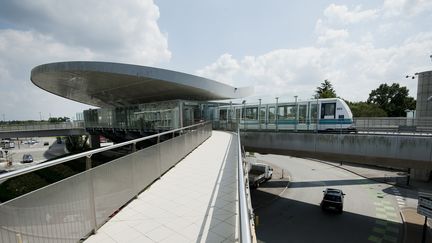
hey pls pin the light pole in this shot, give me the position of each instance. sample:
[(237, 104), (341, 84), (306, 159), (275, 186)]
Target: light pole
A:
[(40, 116), (244, 114), (4, 120), (296, 114), (259, 114), (276, 113)]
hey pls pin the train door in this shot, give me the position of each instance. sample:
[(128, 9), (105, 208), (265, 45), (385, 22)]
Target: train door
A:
[(328, 114), (313, 115), (262, 117), (302, 117)]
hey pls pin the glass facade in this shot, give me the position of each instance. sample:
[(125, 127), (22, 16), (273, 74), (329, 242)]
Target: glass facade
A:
[(164, 115)]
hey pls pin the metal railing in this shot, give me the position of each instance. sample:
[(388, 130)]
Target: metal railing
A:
[(245, 208), (70, 209), (393, 124), (41, 126)]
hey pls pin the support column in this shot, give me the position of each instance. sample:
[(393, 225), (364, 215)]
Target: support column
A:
[(94, 141), (420, 174)]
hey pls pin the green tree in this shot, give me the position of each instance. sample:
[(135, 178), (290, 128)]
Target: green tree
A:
[(326, 90), (392, 99), (59, 119), (364, 109)]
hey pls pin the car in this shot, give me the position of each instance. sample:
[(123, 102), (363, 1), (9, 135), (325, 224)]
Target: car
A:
[(46, 143), (27, 158), (333, 199)]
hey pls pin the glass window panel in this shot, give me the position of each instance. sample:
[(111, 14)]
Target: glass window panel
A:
[(302, 113), (271, 114)]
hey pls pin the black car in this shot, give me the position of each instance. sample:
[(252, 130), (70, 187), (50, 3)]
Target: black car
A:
[(27, 158), (333, 199)]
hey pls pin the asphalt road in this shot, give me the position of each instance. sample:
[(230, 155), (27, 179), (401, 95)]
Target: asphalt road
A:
[(370, 213)]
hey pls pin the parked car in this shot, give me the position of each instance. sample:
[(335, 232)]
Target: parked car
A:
[(46, 143), (27, 158), (333, 199)]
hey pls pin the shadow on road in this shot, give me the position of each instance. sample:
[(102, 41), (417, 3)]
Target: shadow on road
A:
[(374, 180), (287, 220)]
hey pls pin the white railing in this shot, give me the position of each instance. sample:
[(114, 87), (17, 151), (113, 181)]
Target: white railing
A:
[(245, 209), (72, 208)]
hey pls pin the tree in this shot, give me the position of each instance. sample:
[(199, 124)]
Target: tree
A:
[(325, 90), (364, 109), (392, 99), (59, 119)]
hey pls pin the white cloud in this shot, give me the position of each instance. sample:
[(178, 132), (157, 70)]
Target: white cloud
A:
[(342, 15), (329, 35), (406, 8), (346, 52), (49, 31), (354, 68)]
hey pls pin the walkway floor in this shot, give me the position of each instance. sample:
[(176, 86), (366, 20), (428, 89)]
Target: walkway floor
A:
[(195, 201)]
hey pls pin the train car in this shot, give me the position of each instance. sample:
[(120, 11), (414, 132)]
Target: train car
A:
[(332, 115)]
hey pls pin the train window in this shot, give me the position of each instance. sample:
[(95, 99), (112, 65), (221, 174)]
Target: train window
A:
[(313, 112), (328, 110), (237, 114), (341, 116), (252, 113), (223, 115), (302, 113), (262, 114), (287, 112), (271, 114)]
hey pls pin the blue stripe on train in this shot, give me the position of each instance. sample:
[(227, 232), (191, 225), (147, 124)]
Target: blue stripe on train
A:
[(335, 121)]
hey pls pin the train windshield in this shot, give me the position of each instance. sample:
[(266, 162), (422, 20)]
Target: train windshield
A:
[(328, 110)]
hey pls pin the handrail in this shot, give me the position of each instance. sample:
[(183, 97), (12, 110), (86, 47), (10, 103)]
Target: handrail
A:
[(19, 172), (245, 231)]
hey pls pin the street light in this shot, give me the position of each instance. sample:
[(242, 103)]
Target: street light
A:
[(259, 114), (296, 114), (277, 112)]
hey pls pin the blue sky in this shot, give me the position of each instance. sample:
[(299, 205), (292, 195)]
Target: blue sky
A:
[(282, 48)]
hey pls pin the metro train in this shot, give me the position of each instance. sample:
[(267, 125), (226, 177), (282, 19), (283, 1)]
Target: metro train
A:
[(333, 114)]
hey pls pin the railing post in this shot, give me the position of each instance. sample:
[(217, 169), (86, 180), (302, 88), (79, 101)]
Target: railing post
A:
[(92, 202)]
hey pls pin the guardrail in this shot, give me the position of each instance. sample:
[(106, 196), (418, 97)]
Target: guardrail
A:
[(245, 213), (41, 126), (70, 209), (393, 124), (361, 124)]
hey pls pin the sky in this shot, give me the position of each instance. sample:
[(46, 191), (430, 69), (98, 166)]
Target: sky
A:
[(282, 48)]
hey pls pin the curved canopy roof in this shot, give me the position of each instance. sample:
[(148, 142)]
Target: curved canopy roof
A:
[(107, 84)]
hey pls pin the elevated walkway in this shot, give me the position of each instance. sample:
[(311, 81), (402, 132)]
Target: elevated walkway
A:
[(196, 201)]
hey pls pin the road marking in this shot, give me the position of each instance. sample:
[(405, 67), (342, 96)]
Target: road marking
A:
[(386, 225)]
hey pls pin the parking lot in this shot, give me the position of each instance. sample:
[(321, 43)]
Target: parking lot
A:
[(40, 149)]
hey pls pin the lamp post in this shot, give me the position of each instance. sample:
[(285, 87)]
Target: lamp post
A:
[(244, 114), (259, 114), (276, 113), (296, 114)]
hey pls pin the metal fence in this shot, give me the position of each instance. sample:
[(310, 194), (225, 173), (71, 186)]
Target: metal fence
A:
[(41, 126), (70, 209), (393, 124)]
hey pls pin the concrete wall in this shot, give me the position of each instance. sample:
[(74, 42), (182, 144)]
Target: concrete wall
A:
[(385, 150)]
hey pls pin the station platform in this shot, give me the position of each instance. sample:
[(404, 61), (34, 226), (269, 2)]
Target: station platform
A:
[(195, 201)]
